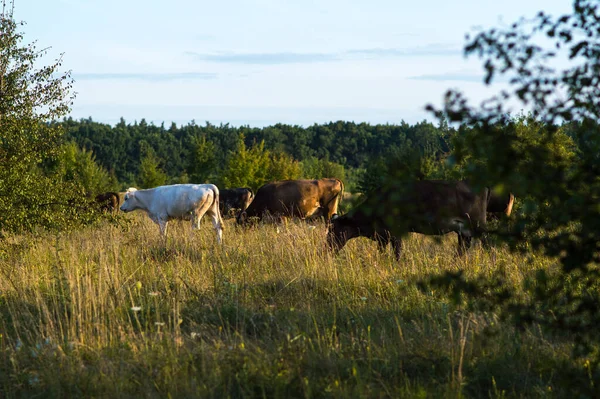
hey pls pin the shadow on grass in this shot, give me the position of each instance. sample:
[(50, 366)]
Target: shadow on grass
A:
[(380, 350), (282, 339)]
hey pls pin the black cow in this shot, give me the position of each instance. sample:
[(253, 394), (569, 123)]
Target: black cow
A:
[(431, 207), (235, 200)]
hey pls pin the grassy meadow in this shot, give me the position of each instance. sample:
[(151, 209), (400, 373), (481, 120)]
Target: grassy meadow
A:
[(112, 311)]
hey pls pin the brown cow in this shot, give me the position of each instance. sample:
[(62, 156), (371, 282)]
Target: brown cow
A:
[(297, 198), (431, 207), (108, 202)]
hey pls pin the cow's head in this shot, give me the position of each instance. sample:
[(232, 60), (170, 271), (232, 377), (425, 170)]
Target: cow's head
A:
[(339, 231), (129, 201), (242, 218)]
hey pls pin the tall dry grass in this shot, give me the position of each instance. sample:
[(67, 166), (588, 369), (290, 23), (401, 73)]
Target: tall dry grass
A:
[(115, 311)]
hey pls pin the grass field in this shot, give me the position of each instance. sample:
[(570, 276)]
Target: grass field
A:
[(111, 311)]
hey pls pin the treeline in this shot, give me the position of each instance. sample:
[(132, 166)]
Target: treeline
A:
[(144, 154)]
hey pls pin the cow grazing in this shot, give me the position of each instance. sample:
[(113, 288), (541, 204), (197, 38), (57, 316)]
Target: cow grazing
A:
[(235, 200), (297, 198), (427, 206), (108, 202), (178, 201)]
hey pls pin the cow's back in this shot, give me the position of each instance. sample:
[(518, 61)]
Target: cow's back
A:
[(287, 197), (178, 200), (422, 206)]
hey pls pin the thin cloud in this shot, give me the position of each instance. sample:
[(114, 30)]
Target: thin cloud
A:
[(297, 58), (151, 77), (457, 77), (430, 50), (264, 58)]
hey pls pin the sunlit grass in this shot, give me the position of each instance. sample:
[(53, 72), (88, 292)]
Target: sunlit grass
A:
[(116, 311)]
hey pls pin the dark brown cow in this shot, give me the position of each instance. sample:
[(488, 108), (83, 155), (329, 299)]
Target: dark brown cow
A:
[(431, 207), (297, 198), (109, 201), (235, 199)]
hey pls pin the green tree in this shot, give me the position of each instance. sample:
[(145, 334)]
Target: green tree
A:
[(314, 168), (247, 167), (283, 167), (79, 166), (151, 174), (202, 162), (31, 96)]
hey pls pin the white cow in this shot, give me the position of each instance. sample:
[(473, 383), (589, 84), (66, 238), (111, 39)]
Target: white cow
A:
[(178, 201)]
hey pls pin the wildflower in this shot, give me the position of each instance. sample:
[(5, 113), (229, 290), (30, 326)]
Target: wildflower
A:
[(136, 308), (363, 298), (154, 293), (400, 281), (159, 323)]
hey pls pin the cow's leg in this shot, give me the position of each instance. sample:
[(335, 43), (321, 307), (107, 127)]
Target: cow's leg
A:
[(212, 210), (397, 246), (464, 243), (216, 221), (162, 225), (198, 213), (196, 219)]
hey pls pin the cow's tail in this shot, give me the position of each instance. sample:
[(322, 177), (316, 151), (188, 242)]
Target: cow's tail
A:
[(215, 205), (511, 201), (341, 194), (338, 197)]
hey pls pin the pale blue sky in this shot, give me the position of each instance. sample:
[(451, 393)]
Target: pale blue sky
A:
[(260, 62)]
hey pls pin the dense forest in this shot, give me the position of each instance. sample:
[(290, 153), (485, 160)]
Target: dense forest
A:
[(145, 155)]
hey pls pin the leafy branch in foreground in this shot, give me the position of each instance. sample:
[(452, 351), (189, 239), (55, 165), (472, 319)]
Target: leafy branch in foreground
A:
[(554, 168)]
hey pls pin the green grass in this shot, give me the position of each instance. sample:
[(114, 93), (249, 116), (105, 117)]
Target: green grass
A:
[(114, 312)]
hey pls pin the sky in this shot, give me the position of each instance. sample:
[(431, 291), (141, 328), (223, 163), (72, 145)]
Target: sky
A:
[(261, 62)]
